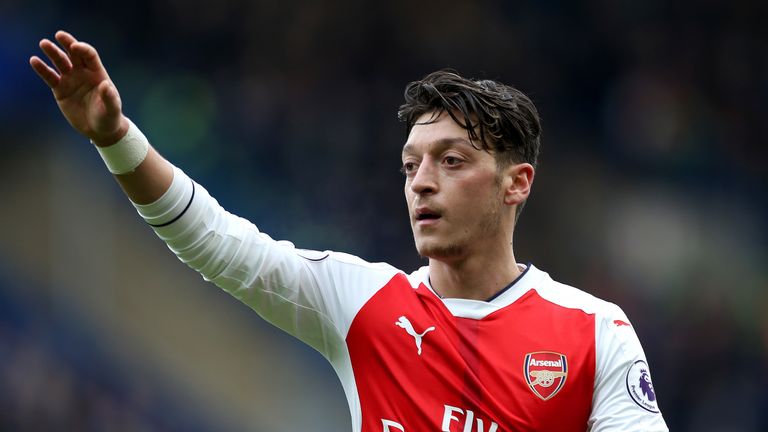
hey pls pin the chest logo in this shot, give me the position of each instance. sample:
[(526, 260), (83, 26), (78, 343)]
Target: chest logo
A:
[(408, 327), (545, 372)]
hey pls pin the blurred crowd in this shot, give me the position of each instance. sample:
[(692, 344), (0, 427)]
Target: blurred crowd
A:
[(56, 376), (651, 191)]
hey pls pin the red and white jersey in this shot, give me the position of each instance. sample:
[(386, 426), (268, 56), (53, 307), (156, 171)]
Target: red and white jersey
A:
[(539, 356)]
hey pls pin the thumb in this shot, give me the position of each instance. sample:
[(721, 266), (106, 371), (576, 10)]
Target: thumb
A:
[(109, 94)]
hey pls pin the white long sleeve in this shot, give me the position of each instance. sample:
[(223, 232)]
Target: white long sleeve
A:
[(309, 294)]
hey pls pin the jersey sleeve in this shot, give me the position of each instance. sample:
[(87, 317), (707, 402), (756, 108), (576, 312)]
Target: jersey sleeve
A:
[(312, 295), (624, 398)]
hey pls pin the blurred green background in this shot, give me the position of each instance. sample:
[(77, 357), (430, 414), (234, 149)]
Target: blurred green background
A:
[(651, 193)]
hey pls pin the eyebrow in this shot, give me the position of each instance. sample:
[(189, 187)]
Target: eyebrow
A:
[(408, 148)]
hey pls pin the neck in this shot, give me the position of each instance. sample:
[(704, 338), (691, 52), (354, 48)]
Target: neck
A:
[(476, 277)]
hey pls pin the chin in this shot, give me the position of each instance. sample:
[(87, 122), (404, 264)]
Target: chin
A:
[(439, 251)]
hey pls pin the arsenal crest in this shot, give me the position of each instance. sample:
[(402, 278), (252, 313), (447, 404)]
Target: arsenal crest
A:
[(545, 373)]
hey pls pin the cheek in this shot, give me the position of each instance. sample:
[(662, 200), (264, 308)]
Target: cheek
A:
[(477, 198), (481, 189)]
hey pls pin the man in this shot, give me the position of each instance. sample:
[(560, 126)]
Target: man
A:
[(472, 342)]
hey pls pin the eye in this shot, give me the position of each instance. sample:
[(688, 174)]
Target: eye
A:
[(451, 161), (408, 168)]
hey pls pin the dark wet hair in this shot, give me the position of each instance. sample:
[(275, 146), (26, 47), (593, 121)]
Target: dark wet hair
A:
[(498, 118)]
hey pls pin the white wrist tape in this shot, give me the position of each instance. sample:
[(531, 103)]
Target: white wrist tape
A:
[(128, 153)]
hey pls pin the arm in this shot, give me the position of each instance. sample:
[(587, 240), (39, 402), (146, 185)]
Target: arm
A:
[(311, 295), (624, 397), (91, 104)]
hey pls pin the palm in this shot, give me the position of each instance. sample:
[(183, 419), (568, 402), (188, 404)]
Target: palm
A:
[(82, 88), (79, 100)]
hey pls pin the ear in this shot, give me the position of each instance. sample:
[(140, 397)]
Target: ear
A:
[(517, 182)]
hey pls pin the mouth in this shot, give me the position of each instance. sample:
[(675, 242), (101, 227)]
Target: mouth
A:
[(425, 216)]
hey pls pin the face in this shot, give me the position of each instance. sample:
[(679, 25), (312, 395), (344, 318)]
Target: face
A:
[(455, 192)]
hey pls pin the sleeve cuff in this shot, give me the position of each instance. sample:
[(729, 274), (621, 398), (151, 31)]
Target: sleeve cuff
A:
[(172, 205)]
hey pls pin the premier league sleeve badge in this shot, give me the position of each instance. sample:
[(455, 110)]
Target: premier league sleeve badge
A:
[(640, 387)]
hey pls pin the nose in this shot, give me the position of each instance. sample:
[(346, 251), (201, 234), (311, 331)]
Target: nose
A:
[(424, 181)]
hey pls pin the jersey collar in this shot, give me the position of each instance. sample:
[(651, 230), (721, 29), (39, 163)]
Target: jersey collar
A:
[(477, 309)]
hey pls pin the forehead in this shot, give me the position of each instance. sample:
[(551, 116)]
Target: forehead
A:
[(430, 130)]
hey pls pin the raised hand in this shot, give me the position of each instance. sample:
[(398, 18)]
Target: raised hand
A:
[(82, 88)]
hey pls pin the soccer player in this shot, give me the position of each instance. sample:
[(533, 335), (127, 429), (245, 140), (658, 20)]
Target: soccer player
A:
[(474, 341)]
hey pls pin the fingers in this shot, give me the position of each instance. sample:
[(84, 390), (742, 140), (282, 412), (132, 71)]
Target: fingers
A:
[(59, 58), (69, 59), (65, 39), (50, 76), (86, 54)]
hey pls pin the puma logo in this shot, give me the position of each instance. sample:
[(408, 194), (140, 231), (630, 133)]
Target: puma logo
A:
[(408, 327)]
